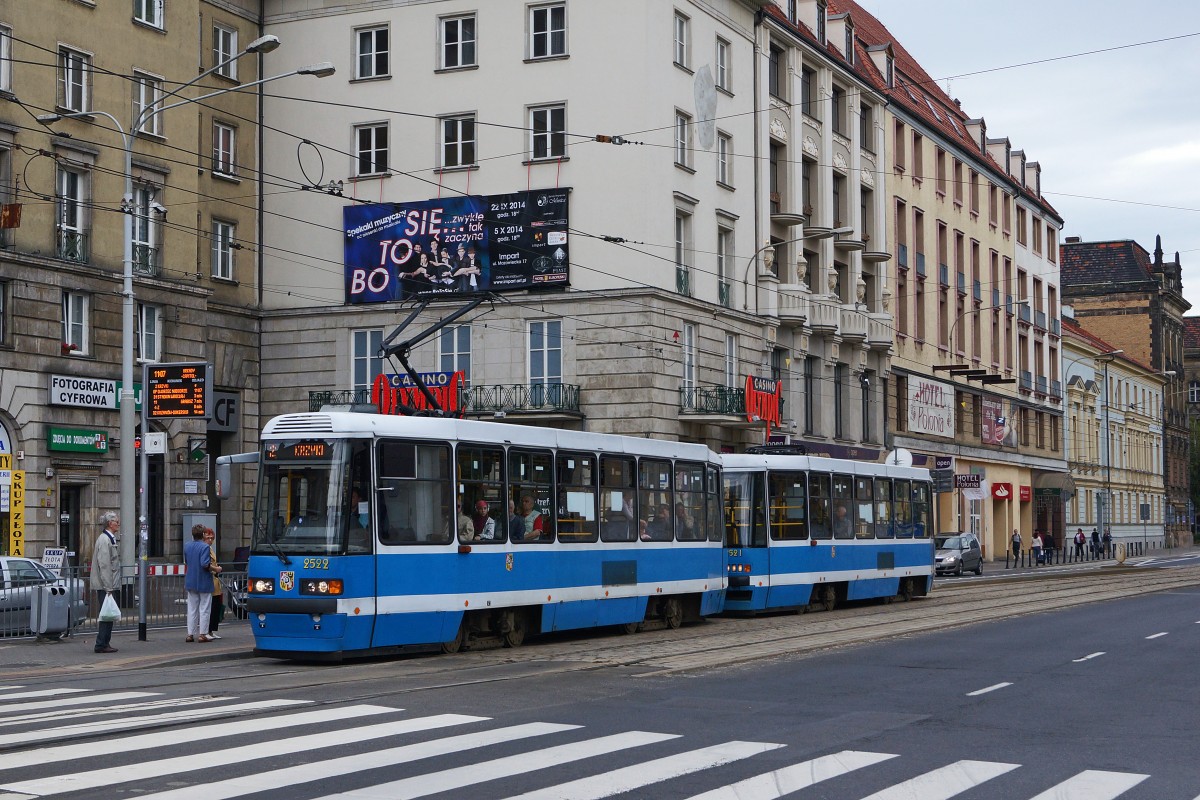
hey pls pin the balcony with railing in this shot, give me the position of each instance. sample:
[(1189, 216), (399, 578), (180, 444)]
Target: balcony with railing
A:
[(1026, 381), (853, 324), (902, 256), (977, 291), (724, 293), (996, 298), (1043, 385), (823, 316), (1024, 314), (920, 265), (717, 402), (1055, 327), (943, 275), (1056, 391), (72, 245), (880, 329), (1039, 320), (793, 304), (535, 398), (683, 281), (962, 283), (146, 260)]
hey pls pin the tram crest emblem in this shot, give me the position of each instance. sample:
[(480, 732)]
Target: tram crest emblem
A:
[(508, 562), (287, 580)]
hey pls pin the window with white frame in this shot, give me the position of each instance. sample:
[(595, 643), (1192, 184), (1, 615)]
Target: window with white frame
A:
[(724, 265), (5, 58), (224, 149), (689, 357), (366, 361), (147, 91), (545, 352), (548, 126), (458, 42), (71, 215), (370, 149), (548, 30), (224, 243), (458, 141), (455, 345), (1194, 392), (683, 236), (149, 12), (683, 139), (75, 323), (724, 153), (146, 229), (224, 49), (372, 52), (74, 75), (722, 76), (149, 332), (731, 373), (681, 40)]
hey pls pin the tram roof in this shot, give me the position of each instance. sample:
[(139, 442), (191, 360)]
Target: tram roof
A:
[(754, 461)]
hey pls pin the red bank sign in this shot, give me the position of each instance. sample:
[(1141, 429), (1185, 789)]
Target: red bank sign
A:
[(1002, 491), (762, 401), (1026, 494)]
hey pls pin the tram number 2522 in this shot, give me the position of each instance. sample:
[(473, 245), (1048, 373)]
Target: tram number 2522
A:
[(316, 563)]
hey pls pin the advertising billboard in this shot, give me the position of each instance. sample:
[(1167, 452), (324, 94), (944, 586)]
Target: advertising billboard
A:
[(455, 245), (930, 407)]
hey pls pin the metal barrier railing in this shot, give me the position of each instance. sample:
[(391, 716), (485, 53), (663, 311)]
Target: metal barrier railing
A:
[(1076, 553)]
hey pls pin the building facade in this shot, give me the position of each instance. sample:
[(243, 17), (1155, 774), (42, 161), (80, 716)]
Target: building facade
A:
[(62, 251)]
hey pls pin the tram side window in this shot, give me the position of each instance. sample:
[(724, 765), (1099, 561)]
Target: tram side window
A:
[(531, 483), (903, 509), (689, 502), (654, 498), (920, 510), (618, 499), (883, 509), (789, 505), (843, 507), (576, 497), (819, 506), (713, 504), (357, 503), (481, 501), (745, 523), (864, 501), (415, 493)]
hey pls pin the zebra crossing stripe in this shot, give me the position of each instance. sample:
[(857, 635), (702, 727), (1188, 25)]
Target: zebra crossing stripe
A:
[(107, 726), (780, 782), (348, 765), (650, 772), (1093, 784), (216, 758), (73, 713), (461, 777), (75, 700), (946, 782)]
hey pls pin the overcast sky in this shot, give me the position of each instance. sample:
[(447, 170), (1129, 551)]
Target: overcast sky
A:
[(1118, 126)]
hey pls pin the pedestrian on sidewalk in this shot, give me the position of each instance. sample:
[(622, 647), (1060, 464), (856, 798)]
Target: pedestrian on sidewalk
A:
[(1037, 547), (1016, 546), (218, 592), (1080, 541), (198, 583), (1095, 543), (106, 572), (1107, 541)]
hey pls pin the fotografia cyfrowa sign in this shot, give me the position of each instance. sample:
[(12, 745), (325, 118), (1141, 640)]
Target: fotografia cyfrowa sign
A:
[(455, 245)]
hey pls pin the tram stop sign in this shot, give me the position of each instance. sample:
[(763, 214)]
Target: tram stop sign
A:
[(943, 480)]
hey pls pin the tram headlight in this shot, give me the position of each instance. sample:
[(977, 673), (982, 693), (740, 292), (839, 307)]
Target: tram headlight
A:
[(739, 568), (262, 586), (321, 586)]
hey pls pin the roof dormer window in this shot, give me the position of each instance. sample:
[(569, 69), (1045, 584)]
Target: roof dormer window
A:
[(849, 42), (822, 7), (890, 71)]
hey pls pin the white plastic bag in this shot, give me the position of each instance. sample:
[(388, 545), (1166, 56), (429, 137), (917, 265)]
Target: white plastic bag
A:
[(109, 611)]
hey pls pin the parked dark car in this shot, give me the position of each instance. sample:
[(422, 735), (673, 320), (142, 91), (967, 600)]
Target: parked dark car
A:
[(958, 553), (18, 579)]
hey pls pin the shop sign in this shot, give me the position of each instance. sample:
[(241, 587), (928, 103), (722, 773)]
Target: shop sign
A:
[(76, 440), (1026, 494), (930, 407), (763, 400), (392, 399), (72, 390), (16, 514), (967, 481), (1002, 491)]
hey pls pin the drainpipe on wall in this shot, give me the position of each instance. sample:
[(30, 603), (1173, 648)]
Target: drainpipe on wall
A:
[(758, 19)]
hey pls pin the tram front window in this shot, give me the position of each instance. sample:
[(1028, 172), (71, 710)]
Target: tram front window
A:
[(305, 501)]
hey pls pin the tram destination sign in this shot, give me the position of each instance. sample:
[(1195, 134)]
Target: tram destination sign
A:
[(178, 390)]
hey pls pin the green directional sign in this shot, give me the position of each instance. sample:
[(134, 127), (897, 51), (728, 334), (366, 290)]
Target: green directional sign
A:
[(77, 440)]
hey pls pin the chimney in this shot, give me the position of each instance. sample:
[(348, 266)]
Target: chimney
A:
[(1072, 240)]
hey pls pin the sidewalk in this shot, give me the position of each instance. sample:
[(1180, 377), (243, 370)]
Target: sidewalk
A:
[(25, 658)]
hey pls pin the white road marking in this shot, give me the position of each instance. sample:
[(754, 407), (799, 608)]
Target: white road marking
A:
[(75, 700), (987, 689), (1092, 785), (233, 755), (74, 713), (348, 765), (780, 782), (1088, 657), (946, 782), (640, 775), (1156, 635), (460, 777)]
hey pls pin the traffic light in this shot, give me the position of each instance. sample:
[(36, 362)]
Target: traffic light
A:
[(197, 450)]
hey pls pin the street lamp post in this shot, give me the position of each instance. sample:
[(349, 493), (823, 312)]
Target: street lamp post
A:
[(126, 399), (1105, 496), (961, 316)]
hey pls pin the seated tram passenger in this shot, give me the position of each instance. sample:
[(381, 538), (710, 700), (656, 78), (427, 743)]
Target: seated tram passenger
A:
[(532, 519), (659, 528)]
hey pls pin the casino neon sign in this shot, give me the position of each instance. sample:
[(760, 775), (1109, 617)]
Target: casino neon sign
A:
[(763, 396)]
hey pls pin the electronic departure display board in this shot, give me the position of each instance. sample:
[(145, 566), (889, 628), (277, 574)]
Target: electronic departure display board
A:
[(307, 450), (177, 390)]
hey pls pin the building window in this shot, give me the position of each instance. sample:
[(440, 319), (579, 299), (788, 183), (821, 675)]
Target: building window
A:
[(688, 357), (683, 237), (74, 74), (149, 332), (455, 345), (681, 40), (724, 165), (1021, 234), (866, 128), (775, 71), (839, 400), (5, 58), (683, 140), (548, 126), (808, 79), (822, 6), (370, 149), (458, 42), (545, 352), (864, 382), (372, 52), (146, 229), (224, 242), (548, 31), (366, 362), (224, 149), (147, 91), (1194, 392), (724, 265), (839, 110), (224, 49), (731, 370), (149, 12), (722, 76), (72, 215), (810, 385), (458, 141), (75, 323)]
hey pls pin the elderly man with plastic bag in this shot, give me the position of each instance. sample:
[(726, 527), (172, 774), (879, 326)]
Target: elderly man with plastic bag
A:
[(106, 575)]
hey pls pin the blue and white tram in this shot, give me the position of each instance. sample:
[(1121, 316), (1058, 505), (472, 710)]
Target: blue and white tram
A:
[(806, 531), (375, 533)]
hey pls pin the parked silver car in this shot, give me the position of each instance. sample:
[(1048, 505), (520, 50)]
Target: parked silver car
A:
[(958, 553), (18, 579)]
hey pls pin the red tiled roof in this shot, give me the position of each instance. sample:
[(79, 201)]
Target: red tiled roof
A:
[(1191, 332), (1092, 267)]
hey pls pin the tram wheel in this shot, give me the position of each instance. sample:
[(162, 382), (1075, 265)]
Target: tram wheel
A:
[(630, 628), (906, 590), (456, 644), (673, 613), (515, 635), (828, 597)]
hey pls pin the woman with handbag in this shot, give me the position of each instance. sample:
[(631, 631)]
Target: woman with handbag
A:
[(218, 593), (198, 583), (106, 574)]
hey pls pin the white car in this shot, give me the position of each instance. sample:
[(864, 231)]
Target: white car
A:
[(18, 577)]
